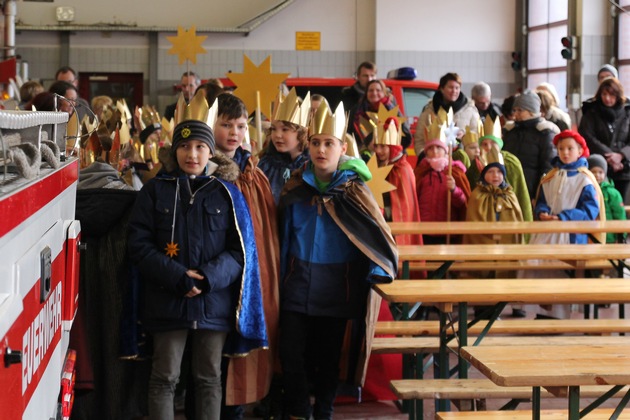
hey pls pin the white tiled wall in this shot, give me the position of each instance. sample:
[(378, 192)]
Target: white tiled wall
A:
[(489, 66)]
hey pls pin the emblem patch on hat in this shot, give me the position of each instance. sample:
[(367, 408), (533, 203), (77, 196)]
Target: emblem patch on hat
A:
[(186, 132)]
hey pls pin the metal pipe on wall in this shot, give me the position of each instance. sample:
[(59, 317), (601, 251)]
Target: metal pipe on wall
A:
[(10, 11)]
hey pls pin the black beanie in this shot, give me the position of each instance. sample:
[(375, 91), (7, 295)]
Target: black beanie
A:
[(193, 130), (482, 176), (144, 134)]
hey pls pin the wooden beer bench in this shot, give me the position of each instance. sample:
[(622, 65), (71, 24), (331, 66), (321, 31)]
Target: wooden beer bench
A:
[(482, 388), (429, 345), (511, 327), (599, 414)]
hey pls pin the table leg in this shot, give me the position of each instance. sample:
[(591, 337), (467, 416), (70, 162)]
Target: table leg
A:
[(622, 404), (443, 365), (463, 338), (405, 270), (536, 403), (574, 403)]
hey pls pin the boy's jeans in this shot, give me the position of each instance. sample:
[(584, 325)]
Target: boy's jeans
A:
[(206, 370)]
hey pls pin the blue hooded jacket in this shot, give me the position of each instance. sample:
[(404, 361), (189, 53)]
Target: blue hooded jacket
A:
[(323, 271)]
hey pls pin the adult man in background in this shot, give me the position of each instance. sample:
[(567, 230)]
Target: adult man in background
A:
[(351, 95), (482, 95), (188, 85), (68, 74)]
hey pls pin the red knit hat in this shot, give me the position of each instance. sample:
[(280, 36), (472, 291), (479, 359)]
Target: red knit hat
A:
[(575, 136)]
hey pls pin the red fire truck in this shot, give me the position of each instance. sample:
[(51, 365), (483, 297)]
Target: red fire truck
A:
[(39, 264)]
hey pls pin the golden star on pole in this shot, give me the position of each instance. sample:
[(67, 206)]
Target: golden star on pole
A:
[(378, 185), (187, 44), (257, 79)]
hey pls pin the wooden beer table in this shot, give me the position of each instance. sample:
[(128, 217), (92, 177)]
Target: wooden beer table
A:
[(576, 255), (559, 369), (446, 294), (485, 228)]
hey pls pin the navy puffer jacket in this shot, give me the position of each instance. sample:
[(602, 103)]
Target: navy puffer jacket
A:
[(207, 240)]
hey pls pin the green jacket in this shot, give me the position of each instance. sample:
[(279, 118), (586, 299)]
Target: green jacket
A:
[(614, 206)]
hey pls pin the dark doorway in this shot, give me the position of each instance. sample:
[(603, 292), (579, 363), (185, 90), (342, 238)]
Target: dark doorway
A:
[(128, 86)]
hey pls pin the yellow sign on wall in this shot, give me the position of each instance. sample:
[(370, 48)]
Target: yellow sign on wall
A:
[(309, 41)]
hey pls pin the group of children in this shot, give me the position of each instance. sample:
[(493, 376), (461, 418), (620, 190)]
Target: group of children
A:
[(273, 259), (206, 240)]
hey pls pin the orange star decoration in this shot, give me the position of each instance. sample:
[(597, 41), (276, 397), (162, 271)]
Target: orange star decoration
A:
[(257, 79), (378, 185), (171, 249), (187, 44)]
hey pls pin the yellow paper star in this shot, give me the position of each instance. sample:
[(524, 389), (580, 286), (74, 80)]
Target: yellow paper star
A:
[(171, 249), (187, 44), (383, 114), (378, 185), (257, 79)]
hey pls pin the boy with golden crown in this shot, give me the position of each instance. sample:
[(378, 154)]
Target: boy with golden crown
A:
[(192, 239), (287, 147), (401, 204), (335, 244), (248, 378), (437, 176), (489, 138)]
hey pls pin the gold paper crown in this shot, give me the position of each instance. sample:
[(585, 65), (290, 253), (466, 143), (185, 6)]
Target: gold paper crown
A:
[(391, 135), (122, 107), (493, 156), (436, 130), (323, 122), (491, 128), (167, 130), (289, 109), (352, 149), (251, 135), (147, 115), (197, 109), (470, 137), (445, 117)]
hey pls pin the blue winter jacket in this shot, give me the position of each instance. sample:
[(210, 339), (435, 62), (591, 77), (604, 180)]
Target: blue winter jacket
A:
[(203, 226), (587, 207), (278, 167), (323, 272)]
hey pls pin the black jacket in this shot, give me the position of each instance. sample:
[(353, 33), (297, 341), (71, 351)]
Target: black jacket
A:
[(532, 143), (606, 130)]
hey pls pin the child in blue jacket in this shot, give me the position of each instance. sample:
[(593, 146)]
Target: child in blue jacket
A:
[(335, 244)]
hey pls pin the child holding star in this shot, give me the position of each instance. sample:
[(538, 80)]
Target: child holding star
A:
[(191, 237), (435, 183)]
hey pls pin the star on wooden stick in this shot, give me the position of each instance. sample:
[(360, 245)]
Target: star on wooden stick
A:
[(187, 44), (378, 185), (171, 249), (257, 79)]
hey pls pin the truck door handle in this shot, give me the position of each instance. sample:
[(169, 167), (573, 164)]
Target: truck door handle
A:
[(12, 357)]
